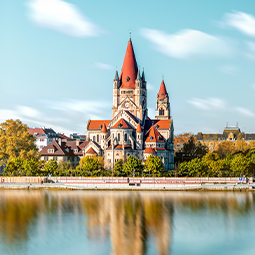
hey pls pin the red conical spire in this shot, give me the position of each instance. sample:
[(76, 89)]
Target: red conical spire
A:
[(139, 128), (162, 91), (129, 68), (104, 129)]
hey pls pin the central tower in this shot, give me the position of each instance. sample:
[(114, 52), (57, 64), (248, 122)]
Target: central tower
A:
[(129, 89)]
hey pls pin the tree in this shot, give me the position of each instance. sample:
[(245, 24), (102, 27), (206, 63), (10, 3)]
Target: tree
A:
[(240, 165), (16, 142), (225, 147), (50, 167), (193, 149), (241, 145), (193, 168), (119, 166), (154, 164), (131, 164), (65, 165)]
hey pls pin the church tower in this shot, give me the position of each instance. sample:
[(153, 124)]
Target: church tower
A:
[(129, 89), (162, 105)]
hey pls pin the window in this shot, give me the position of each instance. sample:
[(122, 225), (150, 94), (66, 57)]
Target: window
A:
[(118, 136), (98, 138), (94, 138), (125, 137), (75, 150), (249, 138), (119, 125), (151, 138), (128, 79), (55, 158), (50, 150), (100, 126), (161, 111), (45, 158), (41, 140), (157, 126)]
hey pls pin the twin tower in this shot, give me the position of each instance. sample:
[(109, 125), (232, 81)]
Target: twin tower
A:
[(130, 91)]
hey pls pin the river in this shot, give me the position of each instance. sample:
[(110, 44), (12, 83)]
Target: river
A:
[(126, 222)]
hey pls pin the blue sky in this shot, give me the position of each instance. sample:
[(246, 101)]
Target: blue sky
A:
[(58, 60)]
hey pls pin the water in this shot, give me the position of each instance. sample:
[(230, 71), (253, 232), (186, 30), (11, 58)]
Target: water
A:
[(123, 223)]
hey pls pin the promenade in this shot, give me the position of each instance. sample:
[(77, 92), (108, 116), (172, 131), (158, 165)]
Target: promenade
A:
[(121, 183)]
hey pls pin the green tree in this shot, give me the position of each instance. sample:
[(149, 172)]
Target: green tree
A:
[(50, 167), (118, 168), (31, 167), (14, 166), (154, 164), (240, 165), (193, 168), (16, 142), (131, 164)]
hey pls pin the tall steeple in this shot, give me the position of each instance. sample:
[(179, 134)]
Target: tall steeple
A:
[(129, 68), (162, 105)]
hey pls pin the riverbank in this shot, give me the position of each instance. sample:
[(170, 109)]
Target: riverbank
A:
[(151, 187)]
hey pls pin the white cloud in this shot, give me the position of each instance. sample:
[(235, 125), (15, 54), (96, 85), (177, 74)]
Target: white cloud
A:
[(208, 104), (150, 86), (188, 43), (103, 66), (229, 69), (28, 111), (61, 16), (241, 21), (245, 111)]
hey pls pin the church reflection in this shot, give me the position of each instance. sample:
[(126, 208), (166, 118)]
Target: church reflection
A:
[(134, 222)]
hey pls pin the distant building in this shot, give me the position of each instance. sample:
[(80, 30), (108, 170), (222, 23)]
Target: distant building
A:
[(64, 151), (75, 136), (233, 134)]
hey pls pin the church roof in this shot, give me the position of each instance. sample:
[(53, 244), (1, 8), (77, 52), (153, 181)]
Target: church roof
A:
[(104, 129), (122, 124), (153, 135), (90, 151), (139, 128), (129, 68), (160, 124), (95, 124), (162, 91), (150, 150)]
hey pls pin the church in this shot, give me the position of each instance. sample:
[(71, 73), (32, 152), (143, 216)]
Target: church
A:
[(131, 131)]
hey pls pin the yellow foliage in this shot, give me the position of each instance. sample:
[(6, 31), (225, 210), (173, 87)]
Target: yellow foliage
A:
[(15, 141)]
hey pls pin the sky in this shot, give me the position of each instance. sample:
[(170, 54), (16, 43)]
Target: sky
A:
[(58, 60)]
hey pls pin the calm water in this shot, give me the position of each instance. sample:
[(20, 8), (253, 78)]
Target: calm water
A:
[(81, 222)]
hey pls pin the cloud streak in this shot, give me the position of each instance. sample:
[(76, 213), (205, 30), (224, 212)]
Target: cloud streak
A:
[(241, 21), (208, 104), (62, 17), (188, 43), (245, 111)]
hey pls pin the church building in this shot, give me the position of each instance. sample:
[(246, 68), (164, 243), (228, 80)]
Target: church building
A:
[(131, 131)]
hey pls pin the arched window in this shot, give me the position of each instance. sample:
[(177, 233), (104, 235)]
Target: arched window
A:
[(98, 138), (125, 137), (161, 111), (118, 136), (94, 138)]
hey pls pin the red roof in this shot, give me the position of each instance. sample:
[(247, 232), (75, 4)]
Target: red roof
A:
[(62, 150), (121, 124), (150, 150), (162, 91), (95, 124), (90, 151), (139, 128), (62, 136), (120, 146), (153, 135), (129, 68), (161, 124), (104, 129)]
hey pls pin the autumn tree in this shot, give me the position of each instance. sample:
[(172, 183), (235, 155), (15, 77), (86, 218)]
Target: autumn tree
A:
[(240, 165), (50, 167), (154, 164), (225, 147), (15, 141), (194, 149)]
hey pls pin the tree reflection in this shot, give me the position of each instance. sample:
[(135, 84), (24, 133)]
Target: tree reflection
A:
[(130, 219)]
